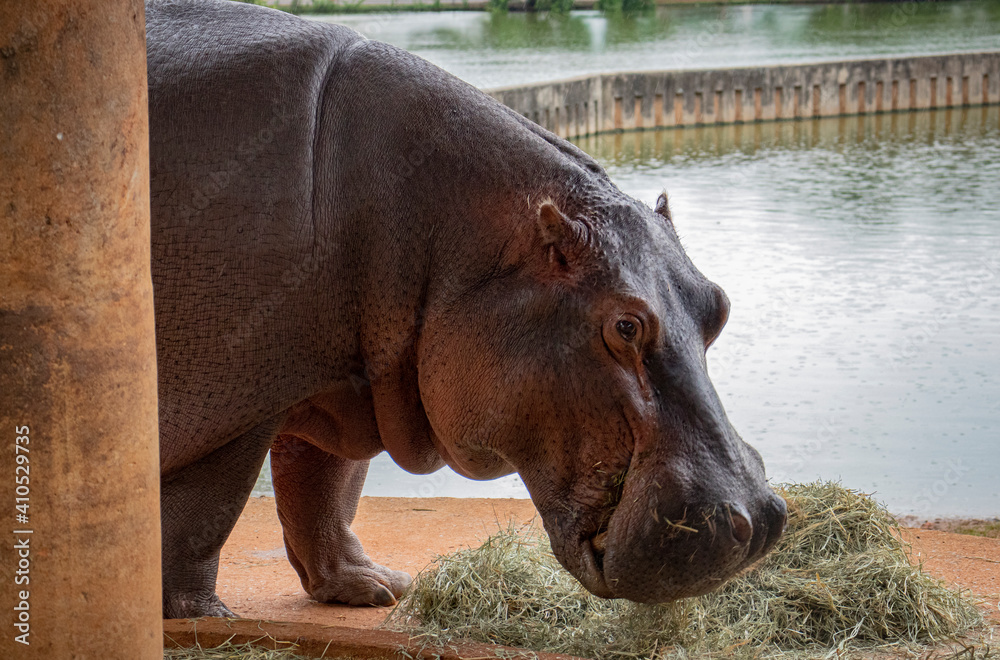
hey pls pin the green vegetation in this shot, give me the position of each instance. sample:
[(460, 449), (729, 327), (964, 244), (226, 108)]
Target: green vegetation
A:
[(624, 6), (839, 582), (560, 6), (555, 6), (988, 528)]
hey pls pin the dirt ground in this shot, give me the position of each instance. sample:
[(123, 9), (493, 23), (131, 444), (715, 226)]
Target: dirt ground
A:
[(256, 580)]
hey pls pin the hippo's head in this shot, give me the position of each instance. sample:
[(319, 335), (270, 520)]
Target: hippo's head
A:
[(578, 360)]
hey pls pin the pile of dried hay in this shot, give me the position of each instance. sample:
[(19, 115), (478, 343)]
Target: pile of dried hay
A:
[(229, 651), (838, 580)]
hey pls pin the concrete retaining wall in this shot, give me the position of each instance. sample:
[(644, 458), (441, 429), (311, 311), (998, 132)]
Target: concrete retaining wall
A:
[(635, 101)]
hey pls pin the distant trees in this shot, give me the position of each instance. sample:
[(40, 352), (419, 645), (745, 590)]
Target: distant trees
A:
[(564, 6)]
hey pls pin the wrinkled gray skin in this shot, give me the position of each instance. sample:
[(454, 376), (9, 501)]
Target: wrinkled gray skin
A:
[(355, 252)]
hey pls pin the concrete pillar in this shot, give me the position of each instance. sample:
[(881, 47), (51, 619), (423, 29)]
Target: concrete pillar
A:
[(80, 549)]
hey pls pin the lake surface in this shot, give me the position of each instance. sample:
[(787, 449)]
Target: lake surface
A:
[(861, 255), (493, 50)]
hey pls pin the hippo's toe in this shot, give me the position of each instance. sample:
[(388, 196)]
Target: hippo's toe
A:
[(383, 597), (194, 605), (363, 585)]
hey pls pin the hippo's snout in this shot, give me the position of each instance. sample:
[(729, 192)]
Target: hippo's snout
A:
[(665, 536), (663, 559)]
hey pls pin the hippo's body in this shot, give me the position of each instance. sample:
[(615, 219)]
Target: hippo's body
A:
[(355, 252)]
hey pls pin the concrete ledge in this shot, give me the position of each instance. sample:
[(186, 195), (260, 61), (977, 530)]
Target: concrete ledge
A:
[(605, 103), (319, 641)]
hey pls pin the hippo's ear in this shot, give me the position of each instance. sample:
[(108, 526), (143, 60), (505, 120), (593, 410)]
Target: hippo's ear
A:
[(562, 238), (663, 207)]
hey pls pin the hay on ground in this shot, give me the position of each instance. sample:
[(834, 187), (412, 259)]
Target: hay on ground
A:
[(230, 651), (839, 579)]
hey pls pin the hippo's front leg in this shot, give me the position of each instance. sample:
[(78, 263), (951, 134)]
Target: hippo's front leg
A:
[(317, 496)]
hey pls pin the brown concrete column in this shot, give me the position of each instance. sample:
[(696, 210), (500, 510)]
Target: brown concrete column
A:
[(79, 503)]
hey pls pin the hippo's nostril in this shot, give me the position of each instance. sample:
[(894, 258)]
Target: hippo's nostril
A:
[(776, 517), (739, 524), (781, 512)]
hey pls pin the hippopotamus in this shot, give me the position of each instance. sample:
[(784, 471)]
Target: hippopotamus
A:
[(355, 252)]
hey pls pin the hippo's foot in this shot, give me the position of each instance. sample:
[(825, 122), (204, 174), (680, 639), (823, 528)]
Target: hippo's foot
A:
[(317, 493), (364, 583), (194, 605)]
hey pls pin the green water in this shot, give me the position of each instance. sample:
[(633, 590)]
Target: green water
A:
[(492, 50)]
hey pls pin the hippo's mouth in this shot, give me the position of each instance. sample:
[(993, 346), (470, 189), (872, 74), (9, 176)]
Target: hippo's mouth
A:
[(592, 547), (591, 553)]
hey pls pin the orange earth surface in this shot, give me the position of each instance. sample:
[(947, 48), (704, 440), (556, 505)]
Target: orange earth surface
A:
[(256, 581)]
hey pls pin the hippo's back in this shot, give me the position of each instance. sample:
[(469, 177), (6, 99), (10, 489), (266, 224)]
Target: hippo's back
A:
[(232, 86), (234, 92)]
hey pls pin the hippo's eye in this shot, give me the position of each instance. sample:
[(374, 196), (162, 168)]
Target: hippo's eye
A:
[(624, 336), (626, 329)]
